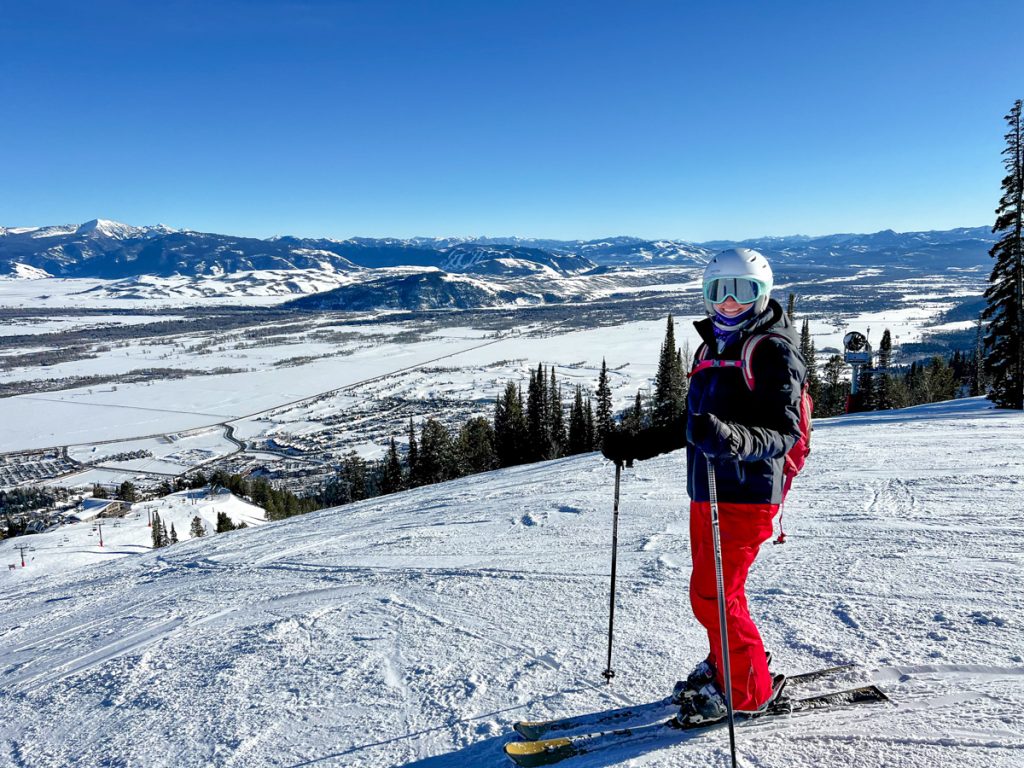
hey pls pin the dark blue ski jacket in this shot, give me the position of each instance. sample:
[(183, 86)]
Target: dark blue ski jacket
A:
[(764, 422)]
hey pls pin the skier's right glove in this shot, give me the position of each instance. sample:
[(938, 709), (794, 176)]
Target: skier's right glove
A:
[(712, 436), (619, 446)]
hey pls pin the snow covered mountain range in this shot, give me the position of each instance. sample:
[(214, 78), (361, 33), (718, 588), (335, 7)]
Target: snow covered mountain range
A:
[(414, 629), (429, 273)]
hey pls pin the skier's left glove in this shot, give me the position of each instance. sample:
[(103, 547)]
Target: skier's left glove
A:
[(713, 437)]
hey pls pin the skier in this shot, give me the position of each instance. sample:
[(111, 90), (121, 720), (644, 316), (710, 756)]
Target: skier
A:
[(744, 422)]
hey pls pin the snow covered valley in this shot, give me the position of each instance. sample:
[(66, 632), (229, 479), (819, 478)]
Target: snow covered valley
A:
[(415, 629)]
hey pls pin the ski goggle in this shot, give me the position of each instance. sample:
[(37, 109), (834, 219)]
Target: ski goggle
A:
[(744, 290)]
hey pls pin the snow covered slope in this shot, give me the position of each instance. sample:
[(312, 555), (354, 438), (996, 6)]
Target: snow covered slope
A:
[(414, 629), (76, 545)]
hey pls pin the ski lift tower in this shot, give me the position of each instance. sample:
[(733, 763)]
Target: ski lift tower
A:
[(858, 354)]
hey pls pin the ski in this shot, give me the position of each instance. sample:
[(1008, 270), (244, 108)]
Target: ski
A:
[(640, 713), (548, 751)]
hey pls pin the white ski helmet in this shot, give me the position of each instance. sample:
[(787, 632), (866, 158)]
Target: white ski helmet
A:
[(742, 273)]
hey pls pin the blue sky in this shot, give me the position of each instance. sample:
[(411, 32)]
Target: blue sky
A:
[(547, 119)]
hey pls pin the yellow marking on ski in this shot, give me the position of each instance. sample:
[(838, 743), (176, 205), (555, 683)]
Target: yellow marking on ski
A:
[(527, 748)]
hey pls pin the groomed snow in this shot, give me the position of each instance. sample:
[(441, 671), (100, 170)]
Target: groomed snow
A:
[(414, 629)]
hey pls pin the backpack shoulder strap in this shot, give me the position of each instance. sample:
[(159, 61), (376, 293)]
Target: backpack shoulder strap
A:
[(747, 354)]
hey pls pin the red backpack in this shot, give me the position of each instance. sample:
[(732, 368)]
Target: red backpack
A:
[(796, 457)]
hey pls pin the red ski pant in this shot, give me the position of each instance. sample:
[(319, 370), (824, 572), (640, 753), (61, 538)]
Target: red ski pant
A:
[(743, 529)]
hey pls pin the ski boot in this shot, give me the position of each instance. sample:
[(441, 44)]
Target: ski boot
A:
[(706, 705), (701, 675)]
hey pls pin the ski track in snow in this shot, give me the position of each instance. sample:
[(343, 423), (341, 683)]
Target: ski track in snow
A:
[(415, 629)]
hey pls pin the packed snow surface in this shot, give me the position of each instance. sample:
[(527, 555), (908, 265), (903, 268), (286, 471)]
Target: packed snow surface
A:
[(415, 629)]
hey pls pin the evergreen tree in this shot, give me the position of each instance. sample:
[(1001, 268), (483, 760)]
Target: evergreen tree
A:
[(197, 530), (127, 492), (437, 460), (557, 418), (591, 430), (476, 447), (834, 388), (1005, 294), (604, 424), (791, 308), (510, 431), (224, 523), (414, 455), (938, 381), (810, 356), (669, 381), (634, 420), (355, 475), (866, 388), (99, 492), (174, 535), (979, 383), (156, 531), (577, 425), (391, 475), (885, 397), (538, 440)]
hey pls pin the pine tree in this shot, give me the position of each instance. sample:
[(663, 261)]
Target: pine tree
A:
[(791, 308), (885, 398), (354, 476), (156, 531), (174, 534), (577, 425), (556, 417), (99, 492), (669, 381), (979, 383), (414, 455), (866, 388), (635, 420), (538, 439), (510, 431), (476, 447), (224, 523), (198, 530), (834, 388), (591, 430), (127, 492), (437, 460), (1005, 294), (938, 381), (605, 424), (810, 355), (391, 474)]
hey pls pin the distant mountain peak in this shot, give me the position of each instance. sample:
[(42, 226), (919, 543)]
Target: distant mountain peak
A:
[(108, 228)]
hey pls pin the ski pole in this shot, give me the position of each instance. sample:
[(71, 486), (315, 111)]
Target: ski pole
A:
[(609, 673), (720, 579)]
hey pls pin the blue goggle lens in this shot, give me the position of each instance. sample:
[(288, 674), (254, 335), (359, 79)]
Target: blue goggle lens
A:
[(744, 290)]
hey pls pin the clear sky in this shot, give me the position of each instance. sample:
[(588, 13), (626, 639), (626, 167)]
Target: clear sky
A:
[(485, 117)]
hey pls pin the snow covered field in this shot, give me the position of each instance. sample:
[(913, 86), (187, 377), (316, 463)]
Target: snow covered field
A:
[(414, 629)]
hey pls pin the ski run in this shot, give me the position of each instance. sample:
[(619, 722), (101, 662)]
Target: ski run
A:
[(416, 629)]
